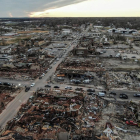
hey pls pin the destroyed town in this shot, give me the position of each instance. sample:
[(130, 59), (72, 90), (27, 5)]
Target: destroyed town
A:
[(69, 78)]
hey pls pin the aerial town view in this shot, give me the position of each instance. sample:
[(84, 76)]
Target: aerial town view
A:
[(69, 70)]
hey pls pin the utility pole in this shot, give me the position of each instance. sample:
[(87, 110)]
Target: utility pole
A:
[(107, 77)]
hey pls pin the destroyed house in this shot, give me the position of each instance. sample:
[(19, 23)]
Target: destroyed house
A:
[(80, 51)]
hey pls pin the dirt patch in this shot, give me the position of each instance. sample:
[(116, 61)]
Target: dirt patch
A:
[(34, 31)]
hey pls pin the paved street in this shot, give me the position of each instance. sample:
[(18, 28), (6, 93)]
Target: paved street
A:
[(16, 82), (13, 107), (129, 93)]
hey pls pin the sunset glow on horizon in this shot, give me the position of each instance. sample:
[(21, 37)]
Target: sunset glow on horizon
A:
[(70, 8), (93, 8)]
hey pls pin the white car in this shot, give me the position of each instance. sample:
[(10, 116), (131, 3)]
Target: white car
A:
[(43, 75), (101, 94), (33, 84), (70, 88)]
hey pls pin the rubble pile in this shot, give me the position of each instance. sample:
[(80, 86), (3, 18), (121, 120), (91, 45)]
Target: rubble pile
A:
[(97, 72), (7, 94), (48, 113), (120, 120), (85, 65), (52, 115), (25, 61)]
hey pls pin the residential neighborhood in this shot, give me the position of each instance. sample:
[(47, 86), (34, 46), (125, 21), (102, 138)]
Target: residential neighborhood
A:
[(69, 79)]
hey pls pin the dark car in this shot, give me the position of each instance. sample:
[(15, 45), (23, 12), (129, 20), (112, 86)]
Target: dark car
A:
[(136, 95), (77, 82), (40, 77), (7, 84), (56, 87), (133, 57), (124, 96), (80, 89), (27, 89), (90, 90), (103, 91), (112, 93), (90, 93), (47, 86)]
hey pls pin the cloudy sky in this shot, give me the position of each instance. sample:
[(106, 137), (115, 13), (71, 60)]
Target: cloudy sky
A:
[(69, 8)]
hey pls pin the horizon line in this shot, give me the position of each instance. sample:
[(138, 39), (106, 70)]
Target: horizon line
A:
[(76, 17)]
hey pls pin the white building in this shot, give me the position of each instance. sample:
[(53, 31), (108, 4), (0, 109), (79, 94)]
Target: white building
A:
[(66, 31)]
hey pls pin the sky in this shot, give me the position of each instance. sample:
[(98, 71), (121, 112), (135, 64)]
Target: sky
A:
[(69, 8)]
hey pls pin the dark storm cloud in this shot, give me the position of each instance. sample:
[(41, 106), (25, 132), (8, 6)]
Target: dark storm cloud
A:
[(23, 7)]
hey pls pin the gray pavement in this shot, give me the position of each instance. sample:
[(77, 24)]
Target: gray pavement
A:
[(128, 92), (16, 82)]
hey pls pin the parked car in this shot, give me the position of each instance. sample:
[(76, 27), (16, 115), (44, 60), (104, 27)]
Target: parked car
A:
[(4, 55), (112, 93), (43, 75), (90, 90), (33, 84), (80, 89), (6, 84), (47, 86), (60, 78), (101, 94), (40, 77), (131, 123), (73, 80), (103, 91), (47, 70), (77, 82), (27, 89), (87, 81), (136, 95), (68, 88), (123, 95), (90, 93), (133, 57), (56, 87)]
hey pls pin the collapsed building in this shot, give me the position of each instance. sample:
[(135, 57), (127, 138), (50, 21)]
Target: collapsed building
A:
[(73, 116), (7, 93), (48, 114), (28, 64)]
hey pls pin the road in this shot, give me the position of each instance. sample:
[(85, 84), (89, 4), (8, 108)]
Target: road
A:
[(16, 82), (13, 107), (128, 92)]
